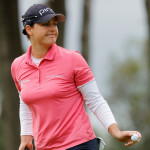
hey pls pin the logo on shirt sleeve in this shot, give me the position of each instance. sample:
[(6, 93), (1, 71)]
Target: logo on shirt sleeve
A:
[(22, 81)]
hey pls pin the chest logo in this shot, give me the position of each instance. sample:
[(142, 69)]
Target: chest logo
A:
[(54, 76)]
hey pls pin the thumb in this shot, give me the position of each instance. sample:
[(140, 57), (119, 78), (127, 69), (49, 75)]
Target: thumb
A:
[(22, 147)]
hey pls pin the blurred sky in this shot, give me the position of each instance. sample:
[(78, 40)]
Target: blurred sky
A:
[(118, 31)]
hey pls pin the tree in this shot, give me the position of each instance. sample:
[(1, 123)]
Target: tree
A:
[(85, 30), (10, 49), (128, 91), (147, 4)]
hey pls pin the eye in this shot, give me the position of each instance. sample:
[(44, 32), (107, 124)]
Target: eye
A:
[(45, 24), (55, 23)]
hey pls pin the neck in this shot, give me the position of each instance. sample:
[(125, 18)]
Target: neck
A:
[(39, 51)]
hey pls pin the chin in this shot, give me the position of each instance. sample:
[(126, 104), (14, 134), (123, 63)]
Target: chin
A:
[(49, 44)]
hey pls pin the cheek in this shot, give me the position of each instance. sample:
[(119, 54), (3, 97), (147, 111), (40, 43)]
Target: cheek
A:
[(38, 33)]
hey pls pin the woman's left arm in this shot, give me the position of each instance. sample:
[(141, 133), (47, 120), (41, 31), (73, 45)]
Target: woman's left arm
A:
[(95, 101), (97, 104), (123, 136)]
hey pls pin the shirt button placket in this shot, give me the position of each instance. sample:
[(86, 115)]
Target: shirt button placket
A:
[(38, 75)]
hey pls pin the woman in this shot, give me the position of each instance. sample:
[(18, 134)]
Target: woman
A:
[(52, 83)]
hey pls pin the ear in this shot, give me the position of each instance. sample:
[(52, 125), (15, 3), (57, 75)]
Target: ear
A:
[(29, 30)]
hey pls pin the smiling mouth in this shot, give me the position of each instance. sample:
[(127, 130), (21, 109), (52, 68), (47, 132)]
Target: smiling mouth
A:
[(51, 35)]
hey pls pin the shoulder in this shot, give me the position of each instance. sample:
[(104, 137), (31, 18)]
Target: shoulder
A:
[(17, 61), (69, 52)]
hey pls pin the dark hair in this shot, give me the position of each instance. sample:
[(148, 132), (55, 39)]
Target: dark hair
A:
[(25, 32)]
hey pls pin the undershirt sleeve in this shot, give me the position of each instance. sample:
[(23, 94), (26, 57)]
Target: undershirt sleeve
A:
[(25, 118), (95, 101)]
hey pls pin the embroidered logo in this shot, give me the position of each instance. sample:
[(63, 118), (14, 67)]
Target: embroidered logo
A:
[(55, 76), (42, 11), (22, 81)]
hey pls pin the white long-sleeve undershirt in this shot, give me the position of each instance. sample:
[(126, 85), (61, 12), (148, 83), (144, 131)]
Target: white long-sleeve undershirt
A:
[(97, 104), (93, 99), (25, 119)]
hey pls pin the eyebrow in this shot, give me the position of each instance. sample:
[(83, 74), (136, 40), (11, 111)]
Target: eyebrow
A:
[(51, 20)]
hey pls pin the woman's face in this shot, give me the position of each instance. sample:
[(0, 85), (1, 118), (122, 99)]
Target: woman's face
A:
[(44, 33)]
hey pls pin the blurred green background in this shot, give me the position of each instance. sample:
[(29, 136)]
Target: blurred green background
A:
[(114, 38)]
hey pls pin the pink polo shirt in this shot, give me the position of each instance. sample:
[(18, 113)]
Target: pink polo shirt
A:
[(51, 93)]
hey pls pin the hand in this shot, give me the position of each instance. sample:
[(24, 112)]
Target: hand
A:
[(123, 136), (26, 142)]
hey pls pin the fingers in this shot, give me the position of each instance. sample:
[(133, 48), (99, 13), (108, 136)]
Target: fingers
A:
[(23, 146), (27, 149), (139, 135), (130, 142)]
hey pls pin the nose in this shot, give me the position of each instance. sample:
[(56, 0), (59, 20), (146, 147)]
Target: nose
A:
[(52, 27)]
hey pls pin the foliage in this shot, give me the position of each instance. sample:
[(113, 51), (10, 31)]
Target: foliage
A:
[(10, 49), (130, 90)]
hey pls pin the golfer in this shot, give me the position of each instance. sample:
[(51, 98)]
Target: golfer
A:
[(53, 84)]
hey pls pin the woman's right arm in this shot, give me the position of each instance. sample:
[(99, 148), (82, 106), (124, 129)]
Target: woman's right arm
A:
[(26, 126), (26, 142)]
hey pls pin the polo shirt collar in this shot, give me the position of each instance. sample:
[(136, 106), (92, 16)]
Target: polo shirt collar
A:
[(51, 52), (49, 56)]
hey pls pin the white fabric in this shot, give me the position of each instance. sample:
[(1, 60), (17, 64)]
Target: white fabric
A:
[(25, 114), (36, 60), (25, 118), (95, 101)]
